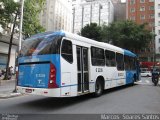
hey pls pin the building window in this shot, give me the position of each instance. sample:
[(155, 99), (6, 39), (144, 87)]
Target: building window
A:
[(158, 14), (132, 10), (151, 7), (159, 40), (142, 8), (132, 18), (142, 17), (142, 1), (159, 32), (151, 16), (132, 2), (151, 0), (158, 23), (3, 61), (159, 49), (158, 6)]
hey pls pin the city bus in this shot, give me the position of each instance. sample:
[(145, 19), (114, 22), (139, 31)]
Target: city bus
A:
[(62, 64)]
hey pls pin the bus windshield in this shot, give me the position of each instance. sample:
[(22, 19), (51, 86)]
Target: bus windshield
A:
[(41, 46)]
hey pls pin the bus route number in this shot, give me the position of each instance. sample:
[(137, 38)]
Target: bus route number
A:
[(99, 70)]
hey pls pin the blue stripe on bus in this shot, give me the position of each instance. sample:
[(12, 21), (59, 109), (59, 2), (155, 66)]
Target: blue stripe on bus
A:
[(115, 79), (89, 82), (128, 53)]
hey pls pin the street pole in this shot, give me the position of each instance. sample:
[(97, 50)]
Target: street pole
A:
[(10, 47), (100, 7), (108, 12), (154, 50), (91, 12), (21, 24), (82, 16), (20, 37), (73, 19)]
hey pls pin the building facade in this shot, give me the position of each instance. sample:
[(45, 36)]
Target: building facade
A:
[(142, 11), (57, 15), (5, 35), (119, 10), (157, 29), (91, 11), (4, 45)]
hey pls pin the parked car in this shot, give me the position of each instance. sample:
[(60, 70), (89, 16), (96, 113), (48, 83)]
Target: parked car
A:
[(145, 72)]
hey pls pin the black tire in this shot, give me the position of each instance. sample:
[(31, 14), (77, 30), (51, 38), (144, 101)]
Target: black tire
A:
[(98, 88), (155, 82), (134, 80)]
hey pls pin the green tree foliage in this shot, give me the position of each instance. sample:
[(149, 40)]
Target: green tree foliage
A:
[(92, 31), (32, 9), (8, 9), (129, 35), (125, 34), (31, 24)]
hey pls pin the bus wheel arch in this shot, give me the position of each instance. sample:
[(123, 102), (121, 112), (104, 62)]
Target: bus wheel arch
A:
[(99, 86)]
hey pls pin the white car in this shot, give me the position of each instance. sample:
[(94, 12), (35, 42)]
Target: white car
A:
[(146, 74)]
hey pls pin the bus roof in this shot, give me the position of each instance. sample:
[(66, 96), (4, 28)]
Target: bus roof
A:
[(86, 40)]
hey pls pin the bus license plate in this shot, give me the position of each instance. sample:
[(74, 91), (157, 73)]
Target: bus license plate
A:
[(28, 90)]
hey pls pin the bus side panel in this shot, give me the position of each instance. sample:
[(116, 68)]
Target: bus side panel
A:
[(69, 76), (130, 77), (110, 77)]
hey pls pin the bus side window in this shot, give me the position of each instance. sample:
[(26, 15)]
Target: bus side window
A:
[(120, 61), (66, 51), (110, 58), (127, 63), (97, 56)]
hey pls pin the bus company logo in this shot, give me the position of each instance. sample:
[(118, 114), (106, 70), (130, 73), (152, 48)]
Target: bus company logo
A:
[(39, 81), (120, 74), (40, 75), (99, 69)]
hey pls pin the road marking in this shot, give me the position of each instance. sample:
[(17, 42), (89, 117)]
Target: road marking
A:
[(147, 81), (144, 82), (140, 81)]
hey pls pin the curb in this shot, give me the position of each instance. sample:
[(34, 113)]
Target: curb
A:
[(9, 95), (3, 81)]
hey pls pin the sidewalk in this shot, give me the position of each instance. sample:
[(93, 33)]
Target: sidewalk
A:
[(6, 88)]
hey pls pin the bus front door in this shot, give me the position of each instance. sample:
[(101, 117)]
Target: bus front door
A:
[(82, 69)]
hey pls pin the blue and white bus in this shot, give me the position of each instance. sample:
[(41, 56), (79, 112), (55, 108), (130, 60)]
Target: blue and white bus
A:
[(62, 64)]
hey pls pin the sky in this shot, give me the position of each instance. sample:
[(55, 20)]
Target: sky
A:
[(123, 0)]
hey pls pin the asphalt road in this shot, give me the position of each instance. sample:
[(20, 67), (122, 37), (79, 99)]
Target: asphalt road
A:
[(143, 97)]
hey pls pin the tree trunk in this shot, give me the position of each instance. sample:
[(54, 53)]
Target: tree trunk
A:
[(9, 50)]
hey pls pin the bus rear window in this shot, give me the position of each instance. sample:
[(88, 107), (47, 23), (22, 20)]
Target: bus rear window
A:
[(41, 46)]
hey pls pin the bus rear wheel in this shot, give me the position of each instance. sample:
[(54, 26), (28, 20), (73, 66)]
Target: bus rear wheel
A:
[(98, 88)]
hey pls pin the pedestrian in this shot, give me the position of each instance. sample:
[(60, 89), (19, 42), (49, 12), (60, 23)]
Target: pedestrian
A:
[(12, 70)]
